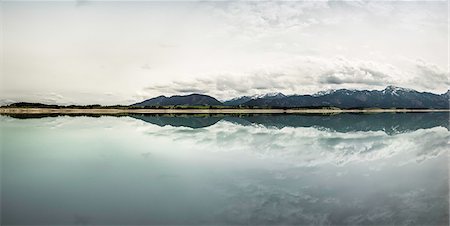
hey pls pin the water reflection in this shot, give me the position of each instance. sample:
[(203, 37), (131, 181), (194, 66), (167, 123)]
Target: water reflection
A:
[(350, 169), (391, 123), (312, 140)]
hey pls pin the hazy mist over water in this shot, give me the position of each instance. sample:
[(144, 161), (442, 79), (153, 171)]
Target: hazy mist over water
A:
[(348, 169)]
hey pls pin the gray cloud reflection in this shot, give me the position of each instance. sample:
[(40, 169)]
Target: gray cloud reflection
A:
[(312, 145), (223, 170)]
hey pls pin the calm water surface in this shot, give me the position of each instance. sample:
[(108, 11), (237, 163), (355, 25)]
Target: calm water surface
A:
[(349, 169)]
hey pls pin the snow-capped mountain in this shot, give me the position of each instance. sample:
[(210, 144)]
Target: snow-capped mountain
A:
[(390, 97), (268, 96), (324, 92), (243, 99), (396, 91)]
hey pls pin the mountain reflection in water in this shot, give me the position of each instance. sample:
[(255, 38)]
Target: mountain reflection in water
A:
[(391, 123), (346, 169)]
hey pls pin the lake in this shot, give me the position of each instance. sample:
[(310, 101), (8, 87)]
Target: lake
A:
[(345, 169)]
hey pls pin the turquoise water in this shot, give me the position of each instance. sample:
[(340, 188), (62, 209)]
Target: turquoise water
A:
[(345, 169)]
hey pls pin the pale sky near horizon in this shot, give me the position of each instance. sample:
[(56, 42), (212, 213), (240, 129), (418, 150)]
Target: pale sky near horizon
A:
[(85, 52)]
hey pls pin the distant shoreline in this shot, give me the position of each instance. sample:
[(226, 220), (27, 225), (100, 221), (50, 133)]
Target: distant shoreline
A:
[(100, 111)]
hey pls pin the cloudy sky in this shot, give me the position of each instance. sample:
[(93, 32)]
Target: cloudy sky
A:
[(122, 52)]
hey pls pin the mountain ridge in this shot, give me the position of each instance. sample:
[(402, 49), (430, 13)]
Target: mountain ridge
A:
[(241, 100), (186, 100), (390, 97)]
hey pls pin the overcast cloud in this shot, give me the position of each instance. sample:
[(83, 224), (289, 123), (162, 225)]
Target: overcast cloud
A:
[(122, 52)]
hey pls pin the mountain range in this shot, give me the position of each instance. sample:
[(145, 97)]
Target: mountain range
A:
[(243, 99), (188, 100), (390, 97)]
